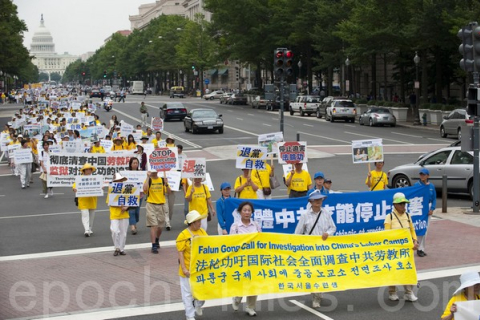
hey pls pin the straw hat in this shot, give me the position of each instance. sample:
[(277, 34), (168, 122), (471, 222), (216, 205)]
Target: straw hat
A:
[(193, 216), (88, 166)]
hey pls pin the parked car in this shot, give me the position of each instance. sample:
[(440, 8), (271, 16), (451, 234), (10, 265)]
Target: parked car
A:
[(224, 97), (452, 161), (213, 95), (377, 116), (173, 110), (95, 93), (275, 105), (305, 105), (237, 98), (202, 120), (259, 102), (341, 109), (452, 124), (322, 108)]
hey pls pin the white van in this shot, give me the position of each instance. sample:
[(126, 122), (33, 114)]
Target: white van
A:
[(136, 87)]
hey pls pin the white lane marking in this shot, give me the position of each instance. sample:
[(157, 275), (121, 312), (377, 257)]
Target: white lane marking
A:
[(308, 125), (327, 138), (364, 135), (276, 118), (250, 114), (240, 119), (42, 194), (437, 140), (407, 135), (313, 311), (266, 124), (177, 138), (240, 130), (2, 195), (349, 125)]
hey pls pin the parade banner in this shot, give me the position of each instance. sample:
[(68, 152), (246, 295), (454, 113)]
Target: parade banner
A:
[(194, 168), (65, 166), (4, 141), (137, 176), (163, 159), (270, 141), (74, 124), (251, 157), (76, 105), (156, 124), (292, 152), (75, 146), (31, 130), (124, 194), (353, 212), (89, 186), (174, 178), (22, 155), (264, 263), (467, 310), (54, 148), (11, 150), (106, 144), (137, 135), (126, 129), (364, 151)]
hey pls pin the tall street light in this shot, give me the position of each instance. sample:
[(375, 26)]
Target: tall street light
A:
[(416, 60), (347, 82)]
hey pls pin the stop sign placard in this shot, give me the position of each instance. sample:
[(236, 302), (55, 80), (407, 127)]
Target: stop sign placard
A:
[(163, 159)]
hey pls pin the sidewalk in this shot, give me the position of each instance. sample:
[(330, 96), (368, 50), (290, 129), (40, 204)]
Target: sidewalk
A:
[(81, 281)]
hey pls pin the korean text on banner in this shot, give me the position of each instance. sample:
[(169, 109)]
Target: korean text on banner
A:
[(157, 124), (270, 141), (124, 194), (292, 152), (364, 151), (89, 186), (163, 159), (251, 157), (22, 155), (353, 212), (263, 263), (194, 168)]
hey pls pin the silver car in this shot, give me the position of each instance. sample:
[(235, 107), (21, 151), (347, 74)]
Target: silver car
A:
[(453, 123), (377, 116), (341, 109), (452, 161)]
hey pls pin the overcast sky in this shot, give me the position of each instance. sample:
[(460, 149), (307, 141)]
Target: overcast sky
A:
[(77, 26)]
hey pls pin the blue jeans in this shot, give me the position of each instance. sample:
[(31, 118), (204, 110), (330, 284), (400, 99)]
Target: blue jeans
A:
[(135, 214)]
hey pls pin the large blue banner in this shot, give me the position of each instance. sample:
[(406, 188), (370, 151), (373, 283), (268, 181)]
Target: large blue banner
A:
[(356, 212)]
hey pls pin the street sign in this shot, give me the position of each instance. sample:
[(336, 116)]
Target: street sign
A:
[(207, 81)]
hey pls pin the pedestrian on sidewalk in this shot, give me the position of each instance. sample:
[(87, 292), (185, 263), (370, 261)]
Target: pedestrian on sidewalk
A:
[(184, 244), (469, 290), (377, 179), (399, 218), (134, 212), (87, 205), (244, 226), (432, 202), (118, 221), (317, 221)]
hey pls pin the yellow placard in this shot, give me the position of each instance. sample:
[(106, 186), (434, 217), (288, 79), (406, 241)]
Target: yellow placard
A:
[(262, 263)]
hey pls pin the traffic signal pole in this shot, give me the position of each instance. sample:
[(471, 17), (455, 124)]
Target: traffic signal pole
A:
[(282, 109), (476, 151)]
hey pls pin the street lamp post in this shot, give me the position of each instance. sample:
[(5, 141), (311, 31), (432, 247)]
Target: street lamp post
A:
[(347, 81), (416, 60), (299, 64)]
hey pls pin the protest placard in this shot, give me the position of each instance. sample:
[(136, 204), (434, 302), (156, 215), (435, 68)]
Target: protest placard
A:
[(163, 159), (292, 152), (73, 146), (251, 157), (467, 310), (157, 124), (124, 194), (270, 141), (89, 186), (287, 168), (106, 144), (22, 155), (11, 148), (174, 177), (365, 151), (194, 168), (126, 129), (31, 130)]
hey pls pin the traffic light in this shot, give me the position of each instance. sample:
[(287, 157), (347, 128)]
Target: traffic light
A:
[(104, 73), (278, 62), (476, 45), (472, 101), (83, 74), (237, 74), (288, 63), (193, 66), (466, 48)]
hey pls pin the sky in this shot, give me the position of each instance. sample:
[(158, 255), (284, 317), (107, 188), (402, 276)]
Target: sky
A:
[(77, 26)]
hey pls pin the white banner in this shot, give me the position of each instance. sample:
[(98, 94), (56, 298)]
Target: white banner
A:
[(23, 156), (364, 151), (89, 186), (126, 129), (251, 157), (106, 144), (468, 310), (75, 146), (270, 141), (124, 194), (174, 178), (194, 168), (11, 149)]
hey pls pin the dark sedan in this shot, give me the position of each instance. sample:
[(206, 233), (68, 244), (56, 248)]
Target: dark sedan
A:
[(237, 98), (173, 110), (95, 94), (203, 120)]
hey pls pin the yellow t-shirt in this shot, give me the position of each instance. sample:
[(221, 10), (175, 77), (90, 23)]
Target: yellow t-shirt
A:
[(404, 221), (247, 192), (156, 192), (131, 146), (264, 175), (120, 147), (33, 145), (300, 181), (116, 212), (12, 143), (86, 203), (184, 245), (199, 199), (98, 149), (456, 298), (377, 176), (155, 142)]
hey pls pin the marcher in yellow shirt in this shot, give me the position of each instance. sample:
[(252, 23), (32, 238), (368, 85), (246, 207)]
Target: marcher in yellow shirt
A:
[(469, 290), (263, 178), (118, 144), (199, 199), (377, 179), (170, 142), (157, 139), (246, 186), (131, 144), (119, 217), (97, 148), (298, 181), (87, 205)]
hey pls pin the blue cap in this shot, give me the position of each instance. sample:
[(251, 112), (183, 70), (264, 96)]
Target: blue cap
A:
[(424, 171), (319, 174), (225, 185), (316, 195)]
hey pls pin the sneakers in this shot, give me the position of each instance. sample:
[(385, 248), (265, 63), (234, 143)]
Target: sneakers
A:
[(393, 297), (199, 311), (315, 303), (236, 303), (50, 192), (190, 318), (169, 228), (421, 253), (410, 297), (86, 234), (46, 196), (155, 249), (316, 299), (250, 312)]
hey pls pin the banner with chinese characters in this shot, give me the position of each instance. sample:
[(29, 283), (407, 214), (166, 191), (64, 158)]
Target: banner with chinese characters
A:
[(124, 193), (292, 152), (251, 157), (194, 168), (63, 167), (270, 141), (263, 263), (364, 151), (353, 213), (89, 186)]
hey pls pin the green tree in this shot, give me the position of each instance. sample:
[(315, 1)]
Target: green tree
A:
[(55, 76), (43, 77)]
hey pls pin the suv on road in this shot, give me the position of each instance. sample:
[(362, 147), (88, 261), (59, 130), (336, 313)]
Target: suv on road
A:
[(305, 105), (341, 109)]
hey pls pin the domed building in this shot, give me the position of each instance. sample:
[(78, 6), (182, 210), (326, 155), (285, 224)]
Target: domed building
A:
[(43, 51)]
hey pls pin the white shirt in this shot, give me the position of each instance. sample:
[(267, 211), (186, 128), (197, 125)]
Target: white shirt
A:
[(325, 223)]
